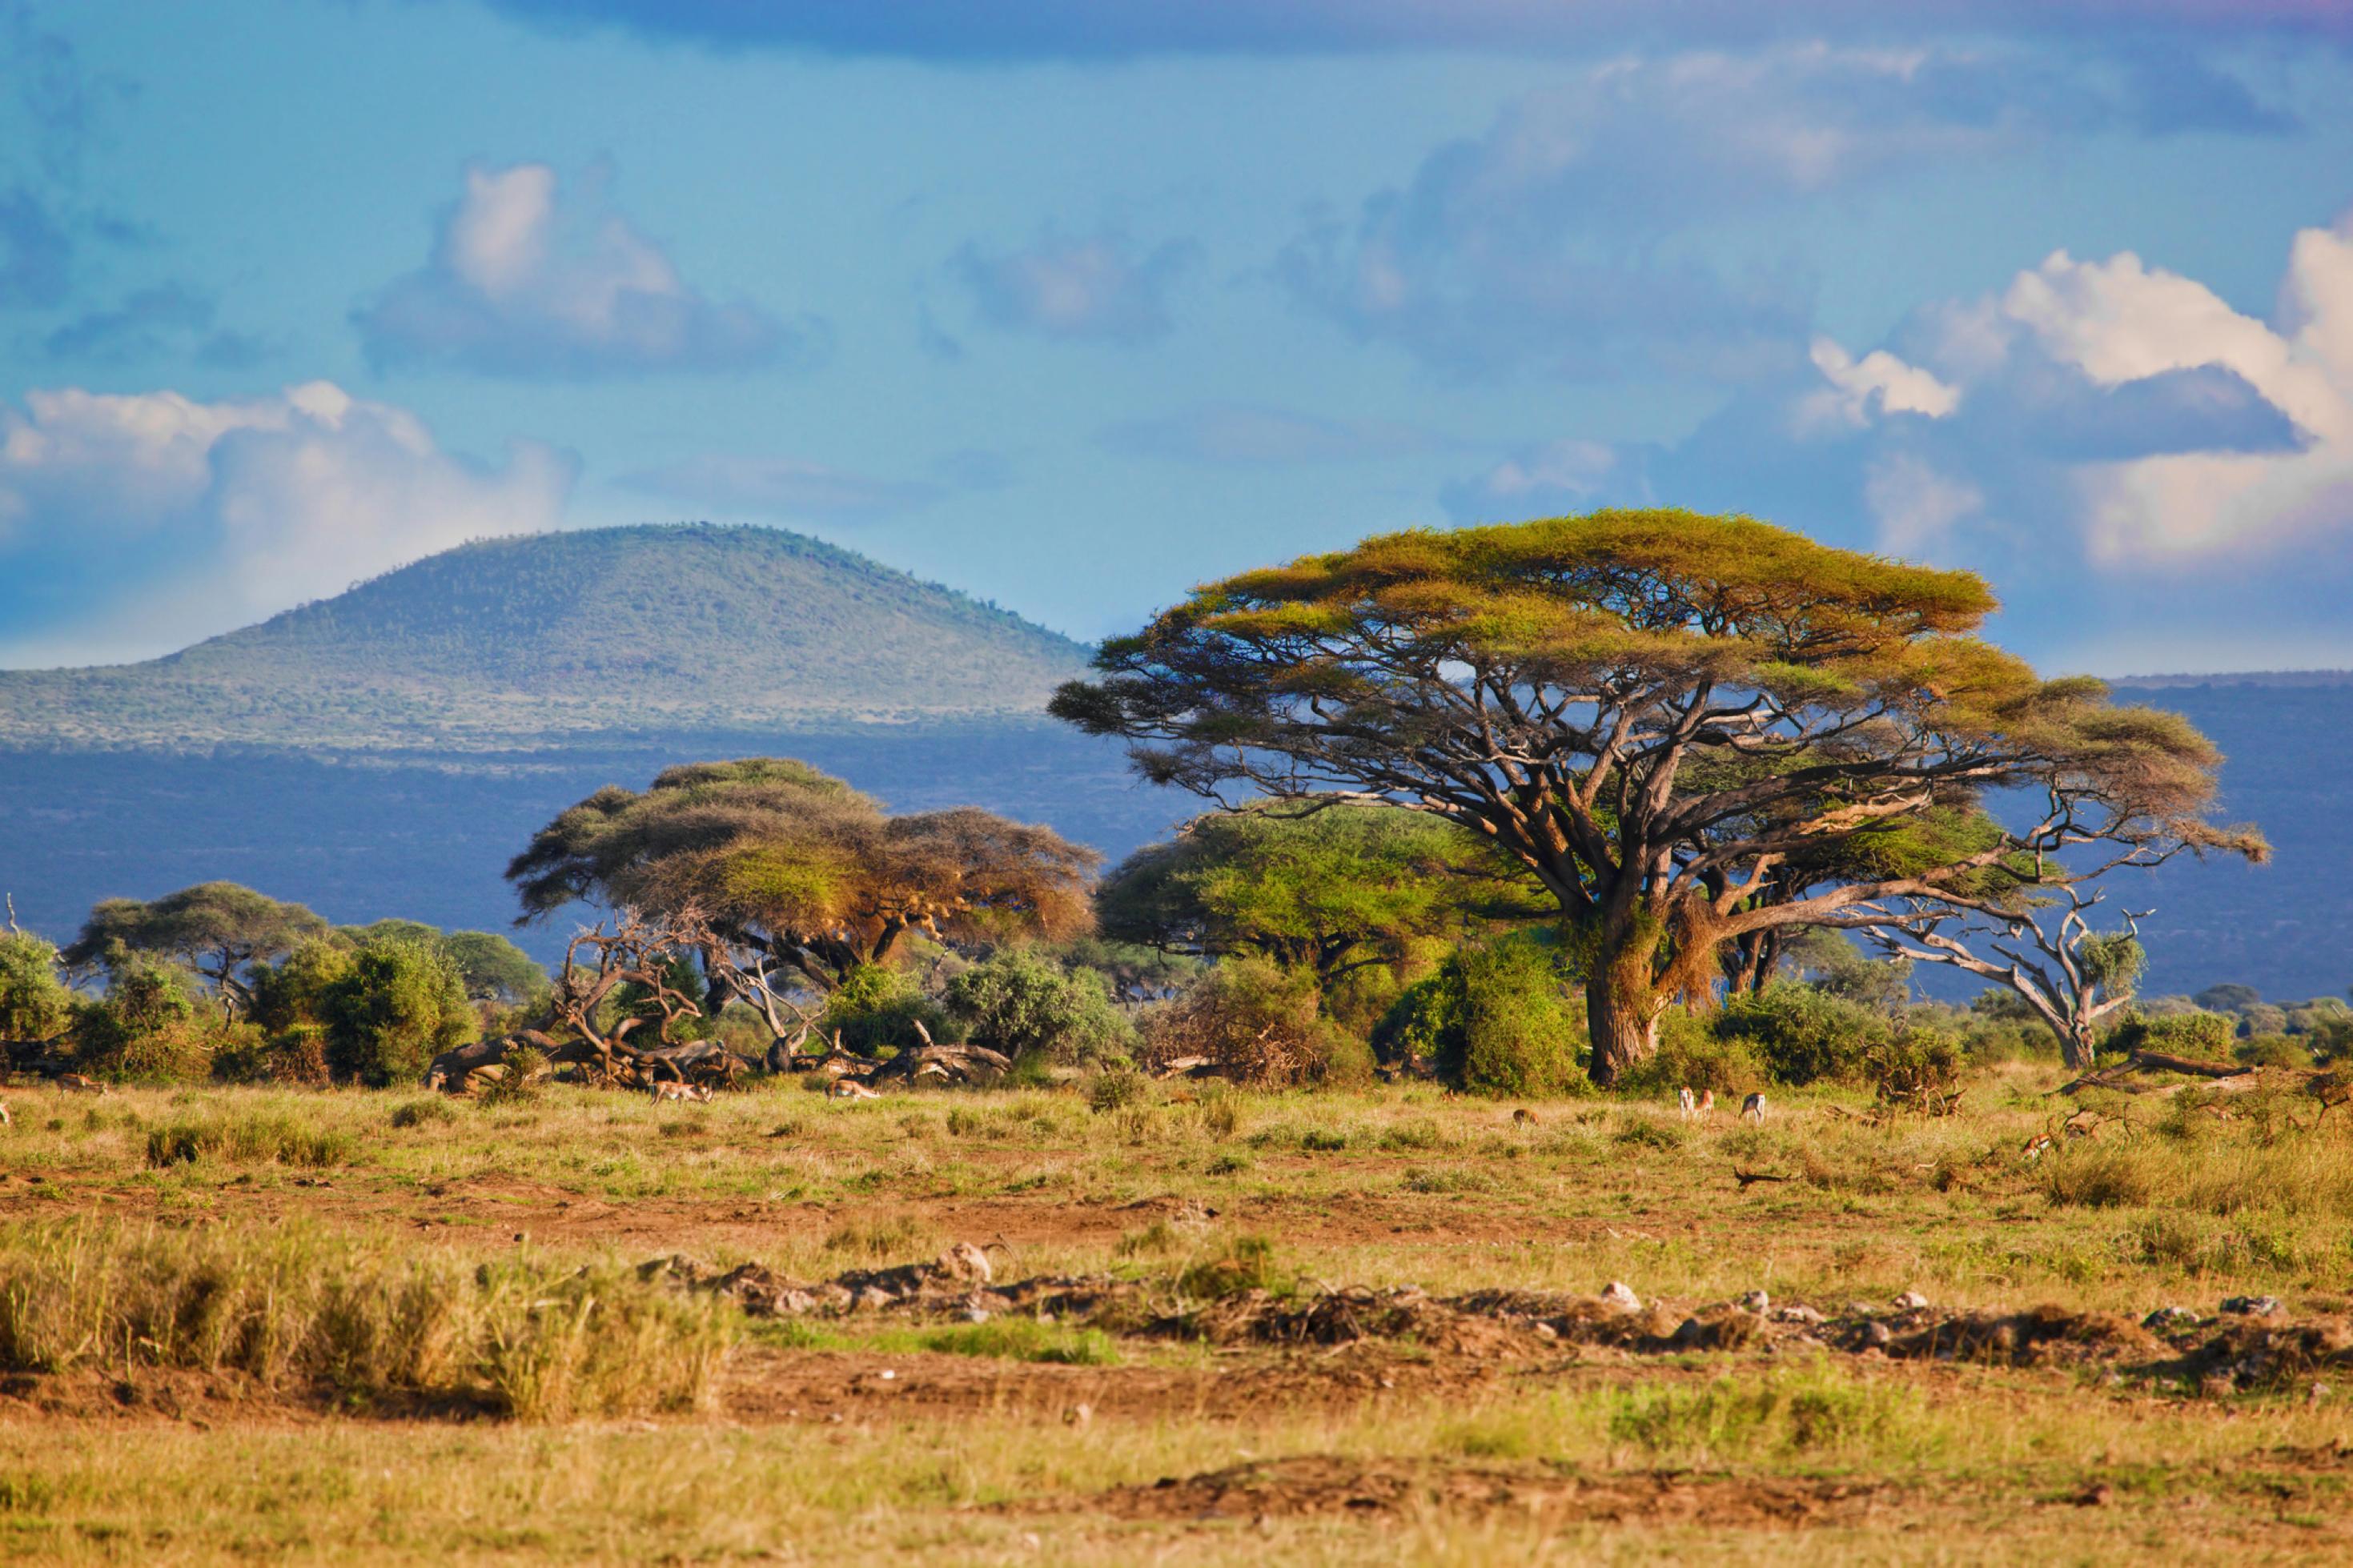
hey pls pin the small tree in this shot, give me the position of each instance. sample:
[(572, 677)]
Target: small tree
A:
[(397, 1006), (796, 878), (34, 1003), (218, 928), (2071, 978)]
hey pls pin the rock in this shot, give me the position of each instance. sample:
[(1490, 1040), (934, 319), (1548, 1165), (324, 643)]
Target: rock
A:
[(1798, 1313), (2252, 1306), (2166, 1318), (1755, 1302), (872, 1300), (1546, 1331), (1911, 1301), (1875, 1335), (965, 1261), (1621, 1295), (976, 1314)]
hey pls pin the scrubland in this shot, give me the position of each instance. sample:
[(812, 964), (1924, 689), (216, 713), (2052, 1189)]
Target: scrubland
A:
[(1225, 1327)]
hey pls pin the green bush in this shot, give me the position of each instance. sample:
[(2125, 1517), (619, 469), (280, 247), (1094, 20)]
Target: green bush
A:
[(2206, 1036), (1018, 1002), (1803, 1035), (1913, 1063), (875, 1007), (398, 1005), (145, 1027), (34, 1003), (1693, 1055), (2273, 1051), (1495, 1019)]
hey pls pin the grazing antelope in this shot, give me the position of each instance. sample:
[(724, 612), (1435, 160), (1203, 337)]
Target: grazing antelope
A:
[(694, 1093), (1707, 1103), (1753, 1107), (75, 1083), (850, 1088), (1523, 1116), (2036, 1147)]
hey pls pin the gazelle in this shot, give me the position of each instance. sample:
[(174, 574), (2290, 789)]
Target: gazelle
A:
[(1753, 1108), (850, 1088), (1686, 1103), (75, 1083), (694, 1093)]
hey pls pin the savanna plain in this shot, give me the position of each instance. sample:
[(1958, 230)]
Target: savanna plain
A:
[(1182, 1323)]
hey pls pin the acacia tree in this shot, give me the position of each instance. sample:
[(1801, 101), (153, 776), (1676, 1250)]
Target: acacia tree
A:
[(218, 928), (1330, 887), (803, 878), (1550, 685)]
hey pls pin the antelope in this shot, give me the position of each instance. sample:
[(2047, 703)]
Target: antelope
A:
[(694, 1093), (75, 1083), (850, 1088), (1754, 1106), (2036, 1147), (1686, 1103), (1707, 1103), (5, 1119)]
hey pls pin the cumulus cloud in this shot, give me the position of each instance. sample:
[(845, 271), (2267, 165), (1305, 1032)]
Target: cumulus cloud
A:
[(1247, 436), (526, 279), (1088, 30), (1092, 287), (1557, 238), (2105, 418), (130, 525), (781, 486)]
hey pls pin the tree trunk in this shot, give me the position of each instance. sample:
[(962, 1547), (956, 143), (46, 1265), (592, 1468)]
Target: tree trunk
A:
[(1622, 1004)]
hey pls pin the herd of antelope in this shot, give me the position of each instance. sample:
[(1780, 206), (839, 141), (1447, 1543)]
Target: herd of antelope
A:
[(1699, 1105)]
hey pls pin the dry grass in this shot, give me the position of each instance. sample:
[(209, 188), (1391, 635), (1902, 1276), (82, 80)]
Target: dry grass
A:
[(362, 1254)]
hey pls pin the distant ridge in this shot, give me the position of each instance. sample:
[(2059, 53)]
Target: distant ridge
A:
[(2242, 677), (571, 636)]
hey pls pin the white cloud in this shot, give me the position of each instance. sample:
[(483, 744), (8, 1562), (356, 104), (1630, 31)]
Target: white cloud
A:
[(1243, 435), (1878, 383), (526, 280), (170, 520), (1554, 479), (2121, 327), (1913, 505)]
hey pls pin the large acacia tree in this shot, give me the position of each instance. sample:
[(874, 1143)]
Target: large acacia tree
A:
[(804, 876), (218, 928), (1326, 887), (1653, 712)]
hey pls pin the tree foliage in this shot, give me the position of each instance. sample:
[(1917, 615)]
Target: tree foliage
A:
[(803, 871), (218, 928), (1328, 888), (34, 1003), (1653, 713), (1020, 1002)]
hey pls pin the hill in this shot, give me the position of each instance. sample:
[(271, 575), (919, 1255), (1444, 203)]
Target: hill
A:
[(570, 636)]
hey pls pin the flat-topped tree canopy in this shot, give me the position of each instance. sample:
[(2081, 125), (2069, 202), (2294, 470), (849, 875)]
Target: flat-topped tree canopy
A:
[(806, 872), (1654, 712)]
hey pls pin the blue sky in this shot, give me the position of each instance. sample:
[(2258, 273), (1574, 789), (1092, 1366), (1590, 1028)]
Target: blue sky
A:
[(1072, 305)]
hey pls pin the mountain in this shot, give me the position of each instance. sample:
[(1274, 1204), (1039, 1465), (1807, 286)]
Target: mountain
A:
[(570, 636)]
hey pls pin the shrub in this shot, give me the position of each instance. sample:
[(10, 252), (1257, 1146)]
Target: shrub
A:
[(1803, 1035), (1913, 1065), (1693, 1055), (1253, 1022), (874, 1007), (2273, 1051), (34, 1003), (1018, 1002), (1240, 1263), (398, 1005), (2204, 1036), (145, 1027), (1116, 1089), (1494, 1019)]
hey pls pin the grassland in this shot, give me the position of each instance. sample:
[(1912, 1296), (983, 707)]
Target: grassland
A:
[(240, 1324)]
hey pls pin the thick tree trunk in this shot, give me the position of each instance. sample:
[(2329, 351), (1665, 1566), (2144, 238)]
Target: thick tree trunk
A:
[(1622, 1004)]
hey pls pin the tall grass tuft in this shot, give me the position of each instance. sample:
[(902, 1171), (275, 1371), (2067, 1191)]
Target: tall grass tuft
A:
[(246, 1138), (293, 1309)]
